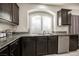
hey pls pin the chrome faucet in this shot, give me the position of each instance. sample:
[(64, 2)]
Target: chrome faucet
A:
[(44, 32)]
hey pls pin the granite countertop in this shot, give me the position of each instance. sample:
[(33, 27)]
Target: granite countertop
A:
[(19, 35)]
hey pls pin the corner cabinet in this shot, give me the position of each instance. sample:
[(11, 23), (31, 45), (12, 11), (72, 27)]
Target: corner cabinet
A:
[(63, 17), (9, 13)]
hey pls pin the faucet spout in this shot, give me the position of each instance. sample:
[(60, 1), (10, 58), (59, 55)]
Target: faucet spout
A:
[(44, 32)]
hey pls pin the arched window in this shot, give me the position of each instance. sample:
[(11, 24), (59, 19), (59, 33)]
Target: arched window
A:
[(40, 22)]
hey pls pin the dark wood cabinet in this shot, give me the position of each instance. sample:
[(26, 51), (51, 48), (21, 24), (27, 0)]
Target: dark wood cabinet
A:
[(37, 46), (63, 17), (28, 46), (9, 13), (6, 11), (15, 10), (4, 51), (52, 44), (41, 45), (69, 18), (73, 43), (14, 48)]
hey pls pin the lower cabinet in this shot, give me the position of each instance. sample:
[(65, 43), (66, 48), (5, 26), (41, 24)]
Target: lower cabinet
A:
[(4, 51), (41, 45), (28, 46), (14, 48), (52, 44), (73, 44), (36, 46)]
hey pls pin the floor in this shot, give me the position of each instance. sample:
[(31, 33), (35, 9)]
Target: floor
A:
[(73, 53)]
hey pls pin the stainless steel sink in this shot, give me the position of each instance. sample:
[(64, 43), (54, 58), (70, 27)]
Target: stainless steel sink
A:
[(41, 34)]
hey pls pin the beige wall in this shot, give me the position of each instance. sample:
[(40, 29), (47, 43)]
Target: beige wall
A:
[(4, 27), (23, 21), (24, 8)]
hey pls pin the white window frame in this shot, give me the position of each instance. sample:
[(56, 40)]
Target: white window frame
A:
[(40, 10), (41, 14)]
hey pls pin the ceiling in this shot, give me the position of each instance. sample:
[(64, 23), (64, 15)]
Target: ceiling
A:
[(61, 4), (57, 4), (74, 6)]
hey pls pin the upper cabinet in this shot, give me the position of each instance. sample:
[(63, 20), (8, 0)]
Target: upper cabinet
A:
[(15, 14), (9, 12), (63, 17), (5, 11)]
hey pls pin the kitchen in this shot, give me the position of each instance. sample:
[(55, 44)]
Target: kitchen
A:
[(38, 29)]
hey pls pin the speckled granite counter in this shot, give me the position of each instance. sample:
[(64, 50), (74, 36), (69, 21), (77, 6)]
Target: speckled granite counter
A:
[(17, 36)]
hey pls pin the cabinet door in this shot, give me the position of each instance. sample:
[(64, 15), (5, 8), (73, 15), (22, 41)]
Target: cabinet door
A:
[(73, 45), (15, 48), (41, 45), (28, 46), (64, 18), (4, 51), (6, 11), (69, 18), (58, 18), (52, 44), (15, 13), (0, 10)]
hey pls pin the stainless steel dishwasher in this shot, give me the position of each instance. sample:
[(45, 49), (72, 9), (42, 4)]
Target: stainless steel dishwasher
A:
[(63, 44)]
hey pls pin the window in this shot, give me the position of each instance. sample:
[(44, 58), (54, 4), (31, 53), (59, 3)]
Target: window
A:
[(40, 22)]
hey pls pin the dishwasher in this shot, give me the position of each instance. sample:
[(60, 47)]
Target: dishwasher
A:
[(63, 44)]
